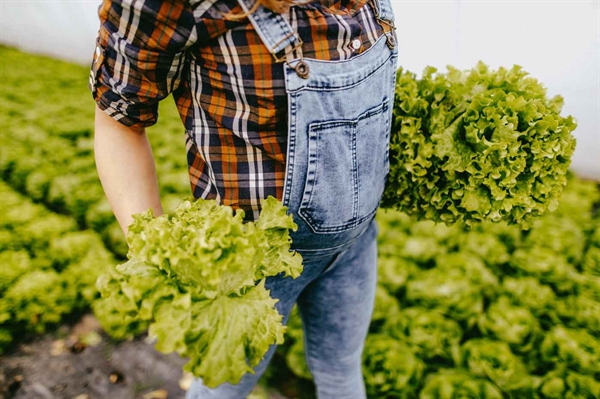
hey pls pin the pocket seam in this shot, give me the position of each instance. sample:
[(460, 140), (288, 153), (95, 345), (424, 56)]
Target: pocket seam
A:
[(311, 179)]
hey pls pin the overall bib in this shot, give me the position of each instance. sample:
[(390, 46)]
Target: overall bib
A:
[(339, 117)]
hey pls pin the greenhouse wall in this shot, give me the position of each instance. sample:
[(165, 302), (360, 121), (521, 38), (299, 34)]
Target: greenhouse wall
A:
[(557, 42)]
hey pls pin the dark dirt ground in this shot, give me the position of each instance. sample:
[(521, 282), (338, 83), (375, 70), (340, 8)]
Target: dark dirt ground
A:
[(81, 362)]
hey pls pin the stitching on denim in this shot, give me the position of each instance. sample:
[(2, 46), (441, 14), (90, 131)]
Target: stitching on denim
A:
[(311, 181), (328, 124), (313, 87), (287, 185), (355, 171), (313, 167)]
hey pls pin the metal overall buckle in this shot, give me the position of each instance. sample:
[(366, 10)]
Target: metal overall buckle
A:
[(301, 67), (389, 35)]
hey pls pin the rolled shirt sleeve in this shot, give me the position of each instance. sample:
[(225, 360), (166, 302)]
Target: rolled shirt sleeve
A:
[(139, 57)]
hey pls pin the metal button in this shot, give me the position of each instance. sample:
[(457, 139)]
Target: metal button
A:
[(356, 43), (302, 69), (390, 41)]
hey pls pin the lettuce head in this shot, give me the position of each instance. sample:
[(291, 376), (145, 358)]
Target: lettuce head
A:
[(197, 277), (470, 146)]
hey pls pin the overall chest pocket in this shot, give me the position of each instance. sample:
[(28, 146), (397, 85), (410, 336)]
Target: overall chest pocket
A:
[(347, 168)]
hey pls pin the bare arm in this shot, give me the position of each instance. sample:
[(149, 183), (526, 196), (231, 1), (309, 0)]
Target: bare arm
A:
[(126, 168)]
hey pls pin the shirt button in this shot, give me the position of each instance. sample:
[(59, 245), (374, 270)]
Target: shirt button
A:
[(356, 43)]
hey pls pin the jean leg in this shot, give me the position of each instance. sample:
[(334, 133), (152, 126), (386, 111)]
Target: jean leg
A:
[(286, 289), (336, 310)]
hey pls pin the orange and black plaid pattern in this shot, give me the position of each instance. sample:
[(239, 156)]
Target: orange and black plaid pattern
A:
[(229, 90)]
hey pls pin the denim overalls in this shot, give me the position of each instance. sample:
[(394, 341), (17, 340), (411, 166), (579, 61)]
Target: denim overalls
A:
[(339, 115)]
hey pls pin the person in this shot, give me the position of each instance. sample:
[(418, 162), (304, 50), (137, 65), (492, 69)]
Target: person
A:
[(287, 99)]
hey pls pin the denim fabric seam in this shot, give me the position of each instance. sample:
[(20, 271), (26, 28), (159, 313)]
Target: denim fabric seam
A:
[(267, 34), (341, 122), (355, 58), (338, 229), (365, 71), (311, 181), (342, 86), (311, 173), (290, 150), (334, 248), (389, 121), (355, 172)]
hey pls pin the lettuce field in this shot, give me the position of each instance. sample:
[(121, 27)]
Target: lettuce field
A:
[(494, 311)]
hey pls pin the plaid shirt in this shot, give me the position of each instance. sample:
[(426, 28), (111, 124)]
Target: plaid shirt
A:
[(228, 88)]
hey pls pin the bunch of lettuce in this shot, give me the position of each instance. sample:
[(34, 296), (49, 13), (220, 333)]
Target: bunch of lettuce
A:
[(494, 360), (575, 349), (512, 324), (458, 383), (546, 265), (477, 145), (198, 277), (456, 286), (564, 384), (530, 293), (390, 367), (434, 337)]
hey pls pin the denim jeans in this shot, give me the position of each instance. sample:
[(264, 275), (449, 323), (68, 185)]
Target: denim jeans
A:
[(339, 117), (335, 295)]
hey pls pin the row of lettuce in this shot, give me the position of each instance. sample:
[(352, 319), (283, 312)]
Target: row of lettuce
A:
[(57, 231), (491, 312), (455, 312), (47, 144), (49, 272)]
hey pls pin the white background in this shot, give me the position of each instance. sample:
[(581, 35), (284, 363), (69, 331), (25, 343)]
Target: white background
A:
[(557, 42)]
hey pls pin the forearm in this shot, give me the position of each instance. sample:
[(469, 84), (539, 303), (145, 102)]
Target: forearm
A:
[(126, 169)]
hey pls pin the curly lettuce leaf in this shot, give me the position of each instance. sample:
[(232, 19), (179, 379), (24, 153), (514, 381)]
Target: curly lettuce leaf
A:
[(494, 360), (223, 338), (576, 349), (433, 336), (458, 383), (530, 293), (512, 324), (390, 367), (564, 384), (457, 286)]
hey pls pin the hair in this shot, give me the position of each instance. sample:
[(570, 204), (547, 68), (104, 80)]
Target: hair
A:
[(277, 6)]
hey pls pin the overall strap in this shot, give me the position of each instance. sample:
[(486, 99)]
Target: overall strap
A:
[(273, 29), (383, 9), (385, 17)]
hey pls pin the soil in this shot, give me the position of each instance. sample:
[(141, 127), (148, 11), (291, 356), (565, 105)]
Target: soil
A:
[(82, 362)]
